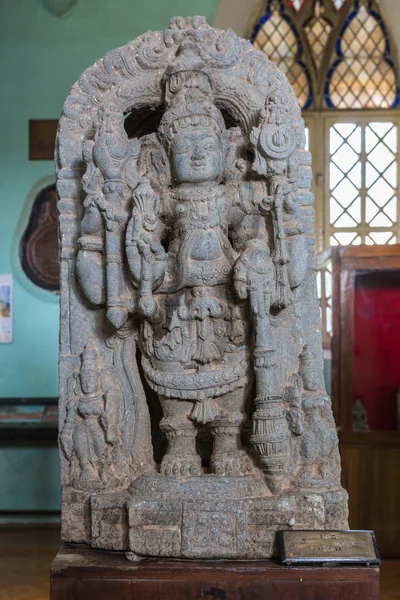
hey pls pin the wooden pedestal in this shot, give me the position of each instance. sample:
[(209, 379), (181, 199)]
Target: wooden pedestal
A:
[(80, 573)]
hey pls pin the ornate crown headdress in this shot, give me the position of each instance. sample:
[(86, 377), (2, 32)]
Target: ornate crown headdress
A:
[(189, 96), (89, 358)]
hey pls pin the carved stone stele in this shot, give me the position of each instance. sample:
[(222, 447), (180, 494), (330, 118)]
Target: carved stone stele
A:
[(194, 421)]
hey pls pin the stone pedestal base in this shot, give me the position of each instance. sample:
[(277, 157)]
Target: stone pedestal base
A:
[(197, 517), (80, 573), (222, 517)]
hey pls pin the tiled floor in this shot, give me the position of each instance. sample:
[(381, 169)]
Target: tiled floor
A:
[(26, 554), (25, 558)]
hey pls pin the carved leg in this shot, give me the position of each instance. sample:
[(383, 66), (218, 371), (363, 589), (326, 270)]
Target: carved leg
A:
[(181, 458), (82, 446), (229, 457), (88, 472)]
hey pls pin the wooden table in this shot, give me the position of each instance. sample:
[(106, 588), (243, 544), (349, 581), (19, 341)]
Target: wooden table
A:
[(80, 573)]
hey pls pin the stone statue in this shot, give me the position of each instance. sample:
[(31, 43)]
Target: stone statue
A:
[(93, 422), (360, 416), (188, 290)]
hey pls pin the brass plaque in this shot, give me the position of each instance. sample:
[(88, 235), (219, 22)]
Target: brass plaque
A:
[(340, 547)]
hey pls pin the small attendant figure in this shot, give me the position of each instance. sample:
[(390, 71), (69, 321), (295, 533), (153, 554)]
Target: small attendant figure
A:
[(93, 420)]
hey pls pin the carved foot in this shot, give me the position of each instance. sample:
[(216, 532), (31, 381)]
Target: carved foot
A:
[(181, 466), (89, 473), (239, 463)]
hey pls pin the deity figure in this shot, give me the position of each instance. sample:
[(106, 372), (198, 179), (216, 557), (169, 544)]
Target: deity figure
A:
[(223, 258), (360, 416), (187, 255), (203, 378), (92, 423)]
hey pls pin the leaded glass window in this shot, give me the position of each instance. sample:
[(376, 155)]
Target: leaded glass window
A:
[(317, 31), (362, 74), (324, 287), (276, 35), (297, 4), (338, 54), (363, 201), (342, 62)]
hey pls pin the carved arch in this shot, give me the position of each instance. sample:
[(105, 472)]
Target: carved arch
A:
[(133, 67), (130, 78)]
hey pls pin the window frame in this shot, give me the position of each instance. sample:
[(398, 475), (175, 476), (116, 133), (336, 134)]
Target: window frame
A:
[(338, 20), (319, 123)]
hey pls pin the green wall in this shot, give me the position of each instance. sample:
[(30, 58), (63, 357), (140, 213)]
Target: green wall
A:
[(41, 57), (30, 480)]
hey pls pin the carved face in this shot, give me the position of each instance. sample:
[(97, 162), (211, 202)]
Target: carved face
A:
[(196, 156), (89, 383)]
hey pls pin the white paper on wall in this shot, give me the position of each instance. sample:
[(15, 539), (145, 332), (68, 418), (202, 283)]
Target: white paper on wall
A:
[(6, 308)]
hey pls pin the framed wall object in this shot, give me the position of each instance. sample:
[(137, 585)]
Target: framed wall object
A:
[(39, 244), (6, 308)]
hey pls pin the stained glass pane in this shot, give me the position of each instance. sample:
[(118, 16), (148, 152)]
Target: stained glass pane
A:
[(299, 81), (328, 281), (362, 77), (324, 287), (307, 135), (363, 36), (328, 299), (328, 319), (319, 291), (276, 37), (278, 41), (297, 4), (317, 32), (338, 4)]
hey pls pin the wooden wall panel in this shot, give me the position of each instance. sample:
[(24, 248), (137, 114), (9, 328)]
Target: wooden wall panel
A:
[(371, 475), (356, 479), (385, 499)]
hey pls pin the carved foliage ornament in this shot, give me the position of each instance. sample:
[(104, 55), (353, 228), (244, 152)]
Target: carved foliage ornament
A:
[(191, 251)]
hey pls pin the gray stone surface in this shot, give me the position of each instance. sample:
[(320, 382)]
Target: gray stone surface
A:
[(189, 305)]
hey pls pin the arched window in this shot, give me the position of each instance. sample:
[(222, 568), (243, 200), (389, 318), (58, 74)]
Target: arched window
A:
[(336, 53), (342, 62)]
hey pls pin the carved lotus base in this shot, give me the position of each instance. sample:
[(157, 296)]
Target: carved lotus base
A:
[(204, 517)]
